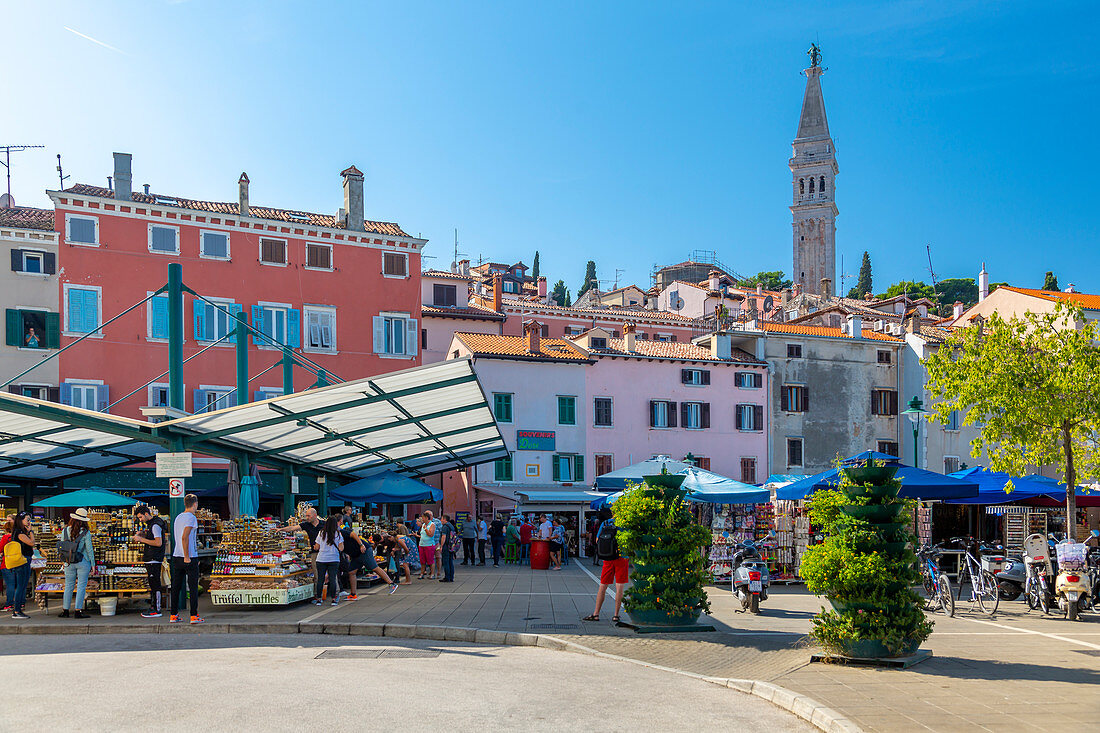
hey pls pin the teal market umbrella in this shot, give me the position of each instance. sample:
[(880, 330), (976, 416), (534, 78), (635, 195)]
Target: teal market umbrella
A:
[(250, 496), (86, 498)]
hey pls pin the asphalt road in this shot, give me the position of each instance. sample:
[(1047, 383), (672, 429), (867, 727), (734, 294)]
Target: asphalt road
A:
[(247, 682)]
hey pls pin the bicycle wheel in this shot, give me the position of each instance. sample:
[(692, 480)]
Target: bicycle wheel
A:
[(985, 590), (929, 590), (964, 572), (947, 601), (1031, 592)]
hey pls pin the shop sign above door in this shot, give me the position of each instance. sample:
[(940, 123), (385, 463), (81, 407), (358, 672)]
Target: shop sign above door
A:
[(535, 440)]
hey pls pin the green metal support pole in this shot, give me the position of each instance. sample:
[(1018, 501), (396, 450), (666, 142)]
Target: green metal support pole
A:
[(288, 372), (242, 359), (322, 496), (288, 496), (322, 378), (175, 336), (916, 446)]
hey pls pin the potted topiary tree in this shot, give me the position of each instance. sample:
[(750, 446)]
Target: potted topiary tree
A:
[(658, 535), (865, 568)]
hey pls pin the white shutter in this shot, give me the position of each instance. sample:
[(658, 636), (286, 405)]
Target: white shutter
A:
[(412, 337), (379, 335)]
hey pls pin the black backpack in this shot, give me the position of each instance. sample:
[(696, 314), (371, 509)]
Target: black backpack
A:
[(69, 551), (607, 544)]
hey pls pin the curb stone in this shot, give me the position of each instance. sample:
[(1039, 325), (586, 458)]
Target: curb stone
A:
[(806, 708)]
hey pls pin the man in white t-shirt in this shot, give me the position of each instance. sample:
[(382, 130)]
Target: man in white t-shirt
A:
[(482, 538), (185, 563), (546, 527)]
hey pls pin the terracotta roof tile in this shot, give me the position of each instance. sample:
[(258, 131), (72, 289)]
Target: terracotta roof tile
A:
[(445, 275), (494, 346), (461, 311), (670, 350), (804, 330), (620, 314), (233, 209), (27, 217), (1085, 300)]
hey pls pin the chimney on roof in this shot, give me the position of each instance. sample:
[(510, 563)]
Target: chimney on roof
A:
[(542, 288), (785, 298), (650, 301), (463, 267), (124, 179), (1069, 289), (714, 276), (110, 185), (826, 287), (868, 297), (242, 193), (721, 346), (911, 321), (629, 335), (498, 285), (353, 198), (759, 288), (983, 284), (957, 309), (797, 289), (855, 326), (533, 329)]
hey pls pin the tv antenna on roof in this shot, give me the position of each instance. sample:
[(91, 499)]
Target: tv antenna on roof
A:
[(8, 150), (60, 173)]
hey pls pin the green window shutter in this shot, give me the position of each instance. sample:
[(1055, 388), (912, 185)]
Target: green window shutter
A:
[(561, 411), (556, 469), (53, 330), (578, 468), (15, 328)]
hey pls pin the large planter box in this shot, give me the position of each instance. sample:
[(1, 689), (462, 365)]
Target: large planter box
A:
[(873, 649), (658, 617)]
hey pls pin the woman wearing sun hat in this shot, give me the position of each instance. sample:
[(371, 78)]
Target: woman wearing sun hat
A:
[(76, 573)]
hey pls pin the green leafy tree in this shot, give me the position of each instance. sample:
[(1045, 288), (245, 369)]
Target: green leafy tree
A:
[(560, 294), (771, 280), (589, 278), (1050, 282), (535, 267), (1033, 385), (913, 288), (958, 289), (863, 284)]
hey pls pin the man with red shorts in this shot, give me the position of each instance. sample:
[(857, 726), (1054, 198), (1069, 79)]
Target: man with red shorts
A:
[(616, 568)]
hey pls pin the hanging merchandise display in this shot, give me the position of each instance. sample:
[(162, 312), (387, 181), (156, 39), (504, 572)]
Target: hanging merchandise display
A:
[(733, 523), (792, 533), (257, 565)]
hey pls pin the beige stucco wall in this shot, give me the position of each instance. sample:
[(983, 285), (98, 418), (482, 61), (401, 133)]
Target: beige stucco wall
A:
[(27, 291)]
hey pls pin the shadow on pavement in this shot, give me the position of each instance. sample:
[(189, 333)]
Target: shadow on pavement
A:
[(961, 668)]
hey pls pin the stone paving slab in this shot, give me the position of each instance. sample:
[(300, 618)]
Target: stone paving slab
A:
[(1014, 672)]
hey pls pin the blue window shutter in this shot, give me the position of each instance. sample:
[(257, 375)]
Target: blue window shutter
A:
[(200, 401), (257, 323), (412, 337), (293, 328), (159, 320), (229, 401), (91, 310), (234, 309), (259, 396), (379, 335), (200, 320), (102, 397), (73, 314), (66, 393)]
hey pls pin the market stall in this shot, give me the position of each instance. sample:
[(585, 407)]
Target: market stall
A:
[(256, 565)]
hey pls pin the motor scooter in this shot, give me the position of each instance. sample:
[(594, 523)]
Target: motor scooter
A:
[(1011, 578), (750, 576), (1073, 586)]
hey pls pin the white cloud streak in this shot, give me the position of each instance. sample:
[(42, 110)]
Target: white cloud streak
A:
[(93, 40)]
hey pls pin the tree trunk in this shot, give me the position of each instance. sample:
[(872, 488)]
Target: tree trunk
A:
[(1071, 485)]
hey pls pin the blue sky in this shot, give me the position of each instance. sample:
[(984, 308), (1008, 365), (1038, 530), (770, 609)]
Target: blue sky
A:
[(631, 133)]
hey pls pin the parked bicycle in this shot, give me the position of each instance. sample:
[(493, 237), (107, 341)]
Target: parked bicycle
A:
[(983, 586), (936, 585)]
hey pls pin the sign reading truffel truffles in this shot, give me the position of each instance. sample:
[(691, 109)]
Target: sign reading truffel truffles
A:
[(264, 597), (535, 440)]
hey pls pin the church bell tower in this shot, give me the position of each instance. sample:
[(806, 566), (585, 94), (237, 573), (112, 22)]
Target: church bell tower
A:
[(813, 172)]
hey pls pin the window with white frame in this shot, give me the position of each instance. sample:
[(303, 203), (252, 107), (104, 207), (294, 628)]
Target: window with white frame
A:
[(86, 395), (950, 464), (83, 309), (794, 351), (320, 328), (749, 380), (34, 261), (156, 320), (395, 264), (793, 398), (214, 245), (696, 415), (215, 320), (749, 418), (272, 251), (318, 256), (81, 229), (275, 326), (794, 452), (164, 239), (395, 334), (216, 399), (662, 414), (695, 377), (602, 412), (158, 395)]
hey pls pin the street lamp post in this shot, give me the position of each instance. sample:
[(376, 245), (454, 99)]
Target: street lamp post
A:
[(914, 414)]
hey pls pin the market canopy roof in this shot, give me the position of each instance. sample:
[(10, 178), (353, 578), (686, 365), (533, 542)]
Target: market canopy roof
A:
[(555, 497), (414, 422), (386, 488), (86, 498), (618, 479), (916, 483), (708, 488), (1055, 493), (991, 487)]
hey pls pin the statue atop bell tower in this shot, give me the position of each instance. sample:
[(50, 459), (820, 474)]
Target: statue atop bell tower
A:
[(813, 173)]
